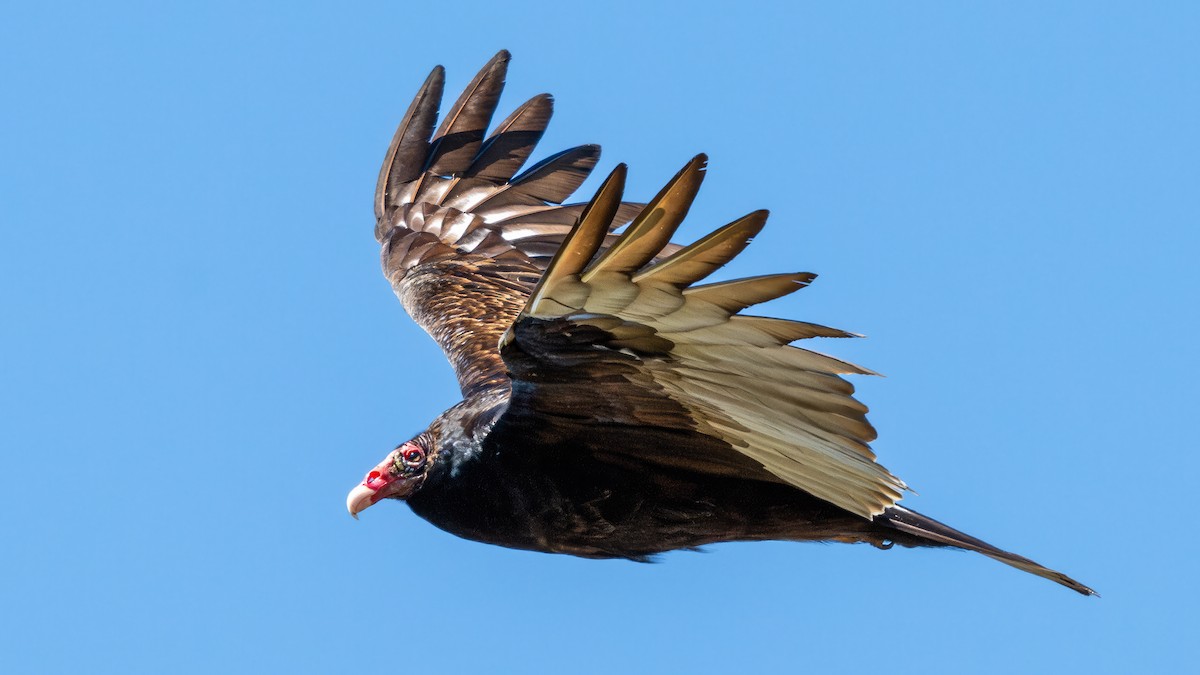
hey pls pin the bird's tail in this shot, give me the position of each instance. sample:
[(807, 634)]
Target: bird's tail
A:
[(931, 532)]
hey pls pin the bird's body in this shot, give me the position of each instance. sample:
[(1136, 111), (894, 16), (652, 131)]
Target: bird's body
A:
[(614, 407), (510, 487)]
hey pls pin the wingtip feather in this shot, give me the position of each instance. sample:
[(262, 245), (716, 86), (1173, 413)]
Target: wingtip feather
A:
[(407, 152)]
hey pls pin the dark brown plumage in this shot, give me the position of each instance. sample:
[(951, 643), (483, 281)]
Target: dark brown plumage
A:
[(613, 406)]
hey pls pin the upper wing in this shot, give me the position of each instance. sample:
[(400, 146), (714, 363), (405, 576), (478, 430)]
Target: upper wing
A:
[(464, 238), (611, 340)]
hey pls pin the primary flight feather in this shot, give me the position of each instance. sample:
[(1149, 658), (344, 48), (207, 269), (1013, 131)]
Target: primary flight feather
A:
[(615, 406)]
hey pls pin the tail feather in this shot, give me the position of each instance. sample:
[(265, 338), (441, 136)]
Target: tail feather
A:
[(930, 530)]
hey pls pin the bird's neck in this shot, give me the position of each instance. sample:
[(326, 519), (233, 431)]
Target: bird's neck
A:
[(461, 431)]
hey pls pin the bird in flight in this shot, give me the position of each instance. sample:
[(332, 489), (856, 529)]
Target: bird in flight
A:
[(614, 405)]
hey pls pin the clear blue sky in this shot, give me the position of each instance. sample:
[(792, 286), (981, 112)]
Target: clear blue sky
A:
[(200, 356)]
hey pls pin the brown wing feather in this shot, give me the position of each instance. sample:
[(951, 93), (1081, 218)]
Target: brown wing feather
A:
[(513, 140), (405, 158), (460, 135)]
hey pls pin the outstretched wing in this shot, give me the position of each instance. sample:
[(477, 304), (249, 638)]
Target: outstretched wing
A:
[(464, 237), (613, 340)]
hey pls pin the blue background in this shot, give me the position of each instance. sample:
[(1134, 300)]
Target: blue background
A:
[(200, 356)]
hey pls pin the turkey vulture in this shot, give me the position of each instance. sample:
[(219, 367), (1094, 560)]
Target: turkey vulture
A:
[(613, 405)]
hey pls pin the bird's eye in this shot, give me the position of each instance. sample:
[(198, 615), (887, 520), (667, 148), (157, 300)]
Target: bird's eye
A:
[(414, 456)]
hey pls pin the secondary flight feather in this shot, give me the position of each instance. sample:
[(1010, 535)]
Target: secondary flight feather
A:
[(614, 404)]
